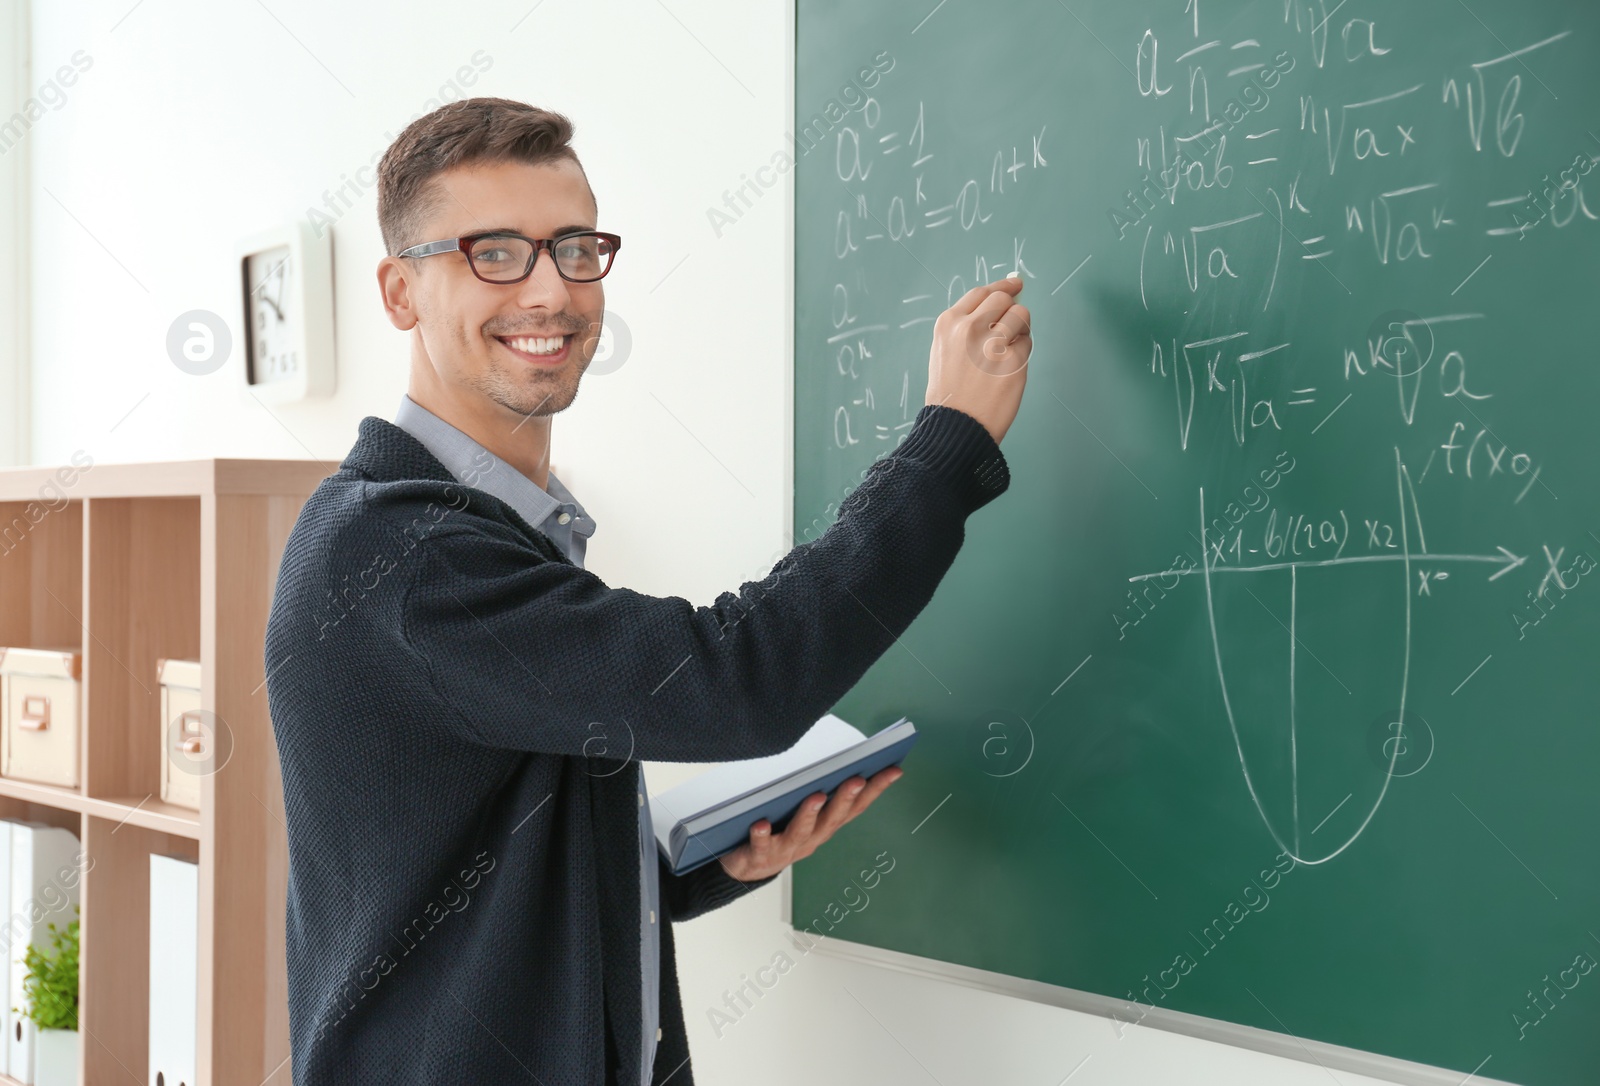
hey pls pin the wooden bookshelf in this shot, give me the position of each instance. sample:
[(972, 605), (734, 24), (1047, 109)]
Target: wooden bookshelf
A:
[(139, 562)]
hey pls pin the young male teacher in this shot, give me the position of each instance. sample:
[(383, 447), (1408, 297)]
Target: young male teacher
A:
[(460, 707)]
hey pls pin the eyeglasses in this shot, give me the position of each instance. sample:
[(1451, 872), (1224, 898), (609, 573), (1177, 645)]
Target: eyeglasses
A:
[(504, 257)]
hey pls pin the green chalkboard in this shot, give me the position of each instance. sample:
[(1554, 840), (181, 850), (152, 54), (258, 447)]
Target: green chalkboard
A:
[(1270, 691)]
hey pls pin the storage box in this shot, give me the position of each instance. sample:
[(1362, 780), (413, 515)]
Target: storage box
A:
[(184, 744), (40, 694)]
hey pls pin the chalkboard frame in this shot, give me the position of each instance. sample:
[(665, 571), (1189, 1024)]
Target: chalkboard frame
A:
[(1301, 1049)]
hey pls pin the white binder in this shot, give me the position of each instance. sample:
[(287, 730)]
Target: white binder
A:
[(174, 968), (7, 1015), (44, 884)]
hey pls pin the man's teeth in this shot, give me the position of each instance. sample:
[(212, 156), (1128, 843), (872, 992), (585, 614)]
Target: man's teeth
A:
[(540, 345)]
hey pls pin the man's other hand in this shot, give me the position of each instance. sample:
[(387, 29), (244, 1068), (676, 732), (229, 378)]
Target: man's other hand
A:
[(767, 854)]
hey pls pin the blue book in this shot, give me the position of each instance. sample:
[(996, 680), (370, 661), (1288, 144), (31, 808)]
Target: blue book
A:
[(710, 815)]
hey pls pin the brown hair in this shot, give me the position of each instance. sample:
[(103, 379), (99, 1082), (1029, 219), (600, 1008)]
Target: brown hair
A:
[(472, 130)]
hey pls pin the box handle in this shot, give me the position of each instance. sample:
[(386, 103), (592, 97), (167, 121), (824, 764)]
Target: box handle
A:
[(35, 713), (193, 742)]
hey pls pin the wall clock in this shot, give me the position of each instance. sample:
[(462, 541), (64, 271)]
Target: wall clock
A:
[(286, 280)]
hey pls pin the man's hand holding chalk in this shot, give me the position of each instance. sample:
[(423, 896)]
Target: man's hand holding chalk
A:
[(979, 360)]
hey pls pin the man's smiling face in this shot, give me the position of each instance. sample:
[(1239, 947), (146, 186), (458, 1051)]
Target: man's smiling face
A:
[(491, 341)]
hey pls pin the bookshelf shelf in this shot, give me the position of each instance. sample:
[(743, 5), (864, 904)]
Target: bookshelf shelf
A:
[(151, 812), (68, 799), (130, 563)]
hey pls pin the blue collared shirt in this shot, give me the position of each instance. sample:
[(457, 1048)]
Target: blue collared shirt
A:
[(560, 516)]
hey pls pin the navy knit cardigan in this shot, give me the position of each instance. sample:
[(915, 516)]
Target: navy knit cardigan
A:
[(455, 706)]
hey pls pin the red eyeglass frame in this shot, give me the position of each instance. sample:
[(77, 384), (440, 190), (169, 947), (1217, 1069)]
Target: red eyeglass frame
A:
[(465, 243)]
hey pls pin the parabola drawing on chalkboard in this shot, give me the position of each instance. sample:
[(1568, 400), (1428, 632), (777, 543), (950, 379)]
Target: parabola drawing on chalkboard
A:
[(1403, 488), (1294, 766)]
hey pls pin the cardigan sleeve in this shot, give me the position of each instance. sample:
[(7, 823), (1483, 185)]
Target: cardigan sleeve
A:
[(707, 887), (531, 654)]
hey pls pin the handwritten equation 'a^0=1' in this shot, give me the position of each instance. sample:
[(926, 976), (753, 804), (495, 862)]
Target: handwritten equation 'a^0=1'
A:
[(1409, 553)]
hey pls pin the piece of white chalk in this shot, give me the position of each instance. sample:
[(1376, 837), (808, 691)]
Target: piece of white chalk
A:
[(1013, 275)]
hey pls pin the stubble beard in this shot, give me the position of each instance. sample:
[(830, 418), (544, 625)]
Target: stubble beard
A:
[(529, 391)]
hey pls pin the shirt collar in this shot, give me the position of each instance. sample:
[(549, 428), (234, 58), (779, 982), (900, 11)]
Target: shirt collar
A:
[(475, 466)]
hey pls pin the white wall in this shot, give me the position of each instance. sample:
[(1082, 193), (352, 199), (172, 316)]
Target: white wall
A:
[(198, 123)]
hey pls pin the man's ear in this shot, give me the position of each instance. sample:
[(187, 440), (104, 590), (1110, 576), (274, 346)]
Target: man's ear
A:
[(398, 292)]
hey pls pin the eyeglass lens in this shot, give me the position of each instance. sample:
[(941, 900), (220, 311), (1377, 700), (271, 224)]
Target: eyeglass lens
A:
[(579, 257)]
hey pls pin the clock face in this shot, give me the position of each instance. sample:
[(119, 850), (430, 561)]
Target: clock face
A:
[(274, 331)]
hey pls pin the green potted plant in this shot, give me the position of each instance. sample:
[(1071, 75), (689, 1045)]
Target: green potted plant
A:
[(51, 987)]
